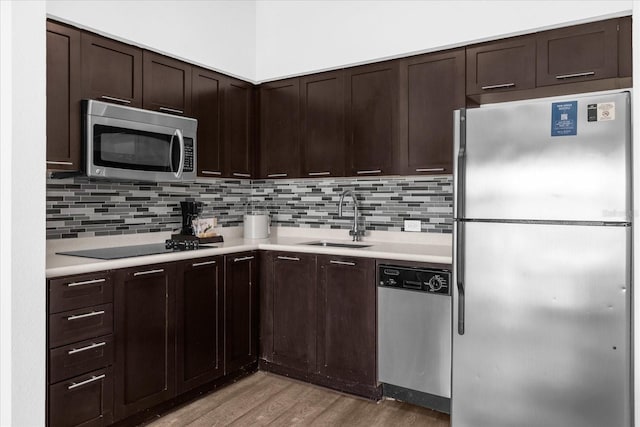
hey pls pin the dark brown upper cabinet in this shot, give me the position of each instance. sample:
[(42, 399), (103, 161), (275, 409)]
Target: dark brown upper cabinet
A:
[(578, 53), (144, 301), (431, 88), (206, 98), (624, 47), (63, 98), (241, 310), (280, 129), (111, 71), (322, 134), (288, 310), (166, 84), (199, 322), (238, 128), (372, 119), (503, 65)]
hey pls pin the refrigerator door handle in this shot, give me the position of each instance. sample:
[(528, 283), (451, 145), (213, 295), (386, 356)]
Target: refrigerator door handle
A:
[(460, 147), (460, 274)]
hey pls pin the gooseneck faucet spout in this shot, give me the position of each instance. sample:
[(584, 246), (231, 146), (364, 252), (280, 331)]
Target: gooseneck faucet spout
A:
[(355, 231)]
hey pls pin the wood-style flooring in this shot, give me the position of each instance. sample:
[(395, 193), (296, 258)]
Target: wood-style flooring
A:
[(268, 399)]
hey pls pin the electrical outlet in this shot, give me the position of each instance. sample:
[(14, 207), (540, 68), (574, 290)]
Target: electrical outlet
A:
[(412, 225)]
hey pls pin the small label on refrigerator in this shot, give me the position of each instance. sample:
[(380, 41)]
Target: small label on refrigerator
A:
[(592, 112), (606, 111), (564, 117)]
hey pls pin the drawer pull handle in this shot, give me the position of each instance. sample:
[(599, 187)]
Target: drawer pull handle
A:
[(90, 380), (574, 75), (82, 316), (171, 110), (368, 171), (111, 98), (242, 175), (86, 282), (289, 258), (502, 86), (319, 173), (277, 175), (211, 173), (343, 263), (89, 347), (199, 264), (245, 258), (142, 273), (52, 162), (430, 170)]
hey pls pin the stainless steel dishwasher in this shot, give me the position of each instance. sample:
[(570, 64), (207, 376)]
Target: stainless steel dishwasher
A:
[(414, 335)]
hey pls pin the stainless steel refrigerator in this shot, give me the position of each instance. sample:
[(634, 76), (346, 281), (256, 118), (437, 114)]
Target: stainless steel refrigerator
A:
[(542, 263)]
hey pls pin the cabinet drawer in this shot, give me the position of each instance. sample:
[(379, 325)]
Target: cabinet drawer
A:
[(86, 400), (80, 357), (81, 324), (80, 291)]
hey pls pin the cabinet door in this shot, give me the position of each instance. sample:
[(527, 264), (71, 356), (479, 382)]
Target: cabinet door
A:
[(280, 129), (200, 322), (577, 53), (238, 128), (167, 84), (63, 98), (207, 108), (288, 304), (145, 337), (322, 116), (372, 119), (431, 88), (502, 65), (624, 47), (347, 319), (241, 310), (111, 71)]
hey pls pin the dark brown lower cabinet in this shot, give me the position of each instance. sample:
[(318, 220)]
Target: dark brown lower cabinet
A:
[(85, 400), (145, 337), (288, 310), (199, 322), (241, 310), (347, 319)]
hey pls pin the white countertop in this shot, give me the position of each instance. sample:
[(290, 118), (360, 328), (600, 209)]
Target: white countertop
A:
[(420, 247)]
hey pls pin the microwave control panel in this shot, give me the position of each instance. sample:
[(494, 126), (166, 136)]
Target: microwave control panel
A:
[(188, 155)]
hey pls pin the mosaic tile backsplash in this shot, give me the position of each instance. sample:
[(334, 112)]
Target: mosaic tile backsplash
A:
[(83, 207)]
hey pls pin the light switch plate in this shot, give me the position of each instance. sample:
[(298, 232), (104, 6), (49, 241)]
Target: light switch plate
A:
[(412, 225)]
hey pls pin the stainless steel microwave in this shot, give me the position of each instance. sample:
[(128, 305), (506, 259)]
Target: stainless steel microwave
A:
[(133, 144)]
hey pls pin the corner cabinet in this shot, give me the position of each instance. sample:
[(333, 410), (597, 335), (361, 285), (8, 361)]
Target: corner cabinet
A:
[(241, 310), (280, 129), (144, 337), (372, 119), (431, 88), (206, 102), (238, 116), (63, 98)]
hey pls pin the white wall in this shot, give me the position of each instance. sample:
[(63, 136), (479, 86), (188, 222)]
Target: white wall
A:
[(22, 214), (216, 34), (295, 37)]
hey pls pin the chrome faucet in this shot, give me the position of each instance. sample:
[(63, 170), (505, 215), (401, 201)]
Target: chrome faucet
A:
[(355, 231)]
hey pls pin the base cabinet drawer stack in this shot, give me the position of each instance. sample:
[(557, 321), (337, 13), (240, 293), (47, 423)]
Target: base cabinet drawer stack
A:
[(80, 342)]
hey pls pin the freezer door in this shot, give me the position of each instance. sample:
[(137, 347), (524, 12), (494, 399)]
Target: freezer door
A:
[(536, 161), (546, 338)]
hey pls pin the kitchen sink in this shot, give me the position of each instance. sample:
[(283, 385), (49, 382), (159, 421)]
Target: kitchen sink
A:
[(336, 245)]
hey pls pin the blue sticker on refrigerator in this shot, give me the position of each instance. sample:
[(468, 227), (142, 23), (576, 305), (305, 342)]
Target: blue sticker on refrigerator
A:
[(564, 118)]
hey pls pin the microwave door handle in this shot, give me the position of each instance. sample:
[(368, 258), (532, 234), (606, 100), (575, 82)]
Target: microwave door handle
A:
[(171, 152), (182, 155)]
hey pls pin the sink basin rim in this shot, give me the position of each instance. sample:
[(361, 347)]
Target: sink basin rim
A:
[(326, 244)]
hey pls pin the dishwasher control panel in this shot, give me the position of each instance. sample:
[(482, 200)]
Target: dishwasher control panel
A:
[(418, 279)]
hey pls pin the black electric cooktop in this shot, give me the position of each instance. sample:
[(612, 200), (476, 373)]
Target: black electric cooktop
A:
[(128, 251)]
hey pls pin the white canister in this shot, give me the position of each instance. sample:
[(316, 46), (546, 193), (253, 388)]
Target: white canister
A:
[(256, 226)]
